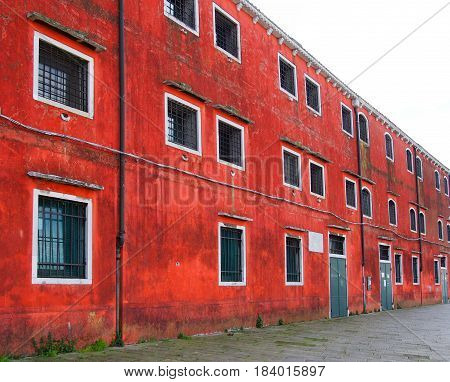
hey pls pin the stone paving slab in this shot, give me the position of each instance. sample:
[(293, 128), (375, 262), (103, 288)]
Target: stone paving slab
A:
[(419, 334)]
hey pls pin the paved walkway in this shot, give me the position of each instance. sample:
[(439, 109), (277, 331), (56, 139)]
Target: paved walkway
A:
[(420, 334)]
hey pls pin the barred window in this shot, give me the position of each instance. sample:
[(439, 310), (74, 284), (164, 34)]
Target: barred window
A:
[(419, 170), (446, 186), (366, 203), (385, 253), (363, 128), (392, 212), (398, 269), (350, 193), (230, 144), (389, 147), (412, 220), (62, 239), (182, 125), (437, 272), (422, 223), (293, 260), (291, 168), (440, 230), (415, 270), (337, 245), (227, 33), (288, 76), (63, 77), (312, 94), (231, 255), (347, 122), (184, 11), (437, 180), (317, 179), (409, 161)]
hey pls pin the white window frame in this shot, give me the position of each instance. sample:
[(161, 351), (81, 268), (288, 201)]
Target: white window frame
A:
[(441, 224), (438, 178), (183, 25), (238, 25), (241, 128), (319, 112), (390, 254), (418, 270), (368, 130), (344, 256), (446, 192), (392, 147), (401, 269), (168, 96), (448, 236), (323, 178), (417, 222), (421, 168), (88, 240), (412, 161), (41, 37), (343, 105), (424, 223), (345, 192), (291, 96), (301, 283), (371, 204), (244, 257), (396, 213), (439, 271), (299, 160)]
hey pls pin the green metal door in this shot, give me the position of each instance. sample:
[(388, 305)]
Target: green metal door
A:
[(444, 284), (386, 286), (338, 287)]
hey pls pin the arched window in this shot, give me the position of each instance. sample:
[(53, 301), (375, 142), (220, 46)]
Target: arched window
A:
[(389, 147), (366, 202), (440, 230), (363, 128), (446, 186), (437, 180), (409, 161), (422, 223), (413, 220), (419, 171), (392, 212)]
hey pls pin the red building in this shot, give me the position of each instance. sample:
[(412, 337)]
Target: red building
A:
[(236, 176)]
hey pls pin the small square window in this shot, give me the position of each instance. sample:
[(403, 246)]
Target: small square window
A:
[(312, 95), (226, 34), (317, 179), (230, 143), (294, 266), (385, 253), (350, 193), (347, 119), (184, 12), (232, 255), (291, 168), (288, 76), (337, 245)]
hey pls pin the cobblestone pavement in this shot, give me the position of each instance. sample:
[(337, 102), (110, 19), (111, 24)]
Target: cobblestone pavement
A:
[(420, 334)]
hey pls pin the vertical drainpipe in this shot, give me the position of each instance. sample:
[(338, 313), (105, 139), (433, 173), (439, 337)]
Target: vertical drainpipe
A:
[(356, 105), (418, 223), (121, 233)]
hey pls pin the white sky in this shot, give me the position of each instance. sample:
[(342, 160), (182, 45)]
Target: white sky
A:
[(411, 85)]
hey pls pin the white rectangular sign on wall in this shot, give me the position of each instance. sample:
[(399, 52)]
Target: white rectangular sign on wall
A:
[(315, 242)]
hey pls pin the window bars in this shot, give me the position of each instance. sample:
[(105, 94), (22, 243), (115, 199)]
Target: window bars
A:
[(347, 120), (227, 35), (287, 77), (182, 125), (363, 129), (62, 77), (350, 193), (291, 169), (293, 260), (317, 186), (337, 245), (231, 267), (182, 10), (312, 95), (230, 144), (61, 239)]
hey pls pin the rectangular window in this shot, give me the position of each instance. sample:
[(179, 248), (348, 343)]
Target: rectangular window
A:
[(337, 245), (398, 269), (183, 125), (232, 255), (312, 95), (415, 270), (62, 239), (317, 179), (443, 262), (288, 76), (350, 193), (293, 261), (230, 143), (437, 272), (184, 12), (291, 168), (63, 77), (347, 119), (385, 253), (226, 34), (448, 233)]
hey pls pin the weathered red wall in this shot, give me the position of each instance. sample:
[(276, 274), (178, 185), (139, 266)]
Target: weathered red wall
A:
[(171, 251)]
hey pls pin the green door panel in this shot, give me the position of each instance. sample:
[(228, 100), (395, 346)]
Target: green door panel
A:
[(444, 283), (386, 286), (338, 287)]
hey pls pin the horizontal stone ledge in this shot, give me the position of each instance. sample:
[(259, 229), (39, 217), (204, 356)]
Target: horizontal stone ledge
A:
[(370, 181), (64, 180), (295, 228), (387, 238), (305, 148), (341, 228), (185, 88), (235, 217)]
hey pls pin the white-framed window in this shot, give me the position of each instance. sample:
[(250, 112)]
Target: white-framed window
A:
[(415, 270), (287, 73), (437, 180), (62, 239), (230, 143), (183, 124), (232, 255), (227, 33), (448, 233), (440, 227), (183, 12), (389, 143), (347, 119), (419, 168), (366, 202), (312, 91), (385, 253), (291, 168), (337, 245), (316, 179), (422, 223), (446, 190), (412, 220), (351, 199), (392, 210), (437, 272), (62, 76), (398, 264), (293, 260), (409, 161), (363, 128)]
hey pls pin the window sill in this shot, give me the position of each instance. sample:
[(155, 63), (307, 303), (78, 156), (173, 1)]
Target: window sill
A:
[(58, 105), (241, 284), (48, 281)]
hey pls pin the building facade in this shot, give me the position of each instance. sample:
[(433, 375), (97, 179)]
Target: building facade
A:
[(253, 180)]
